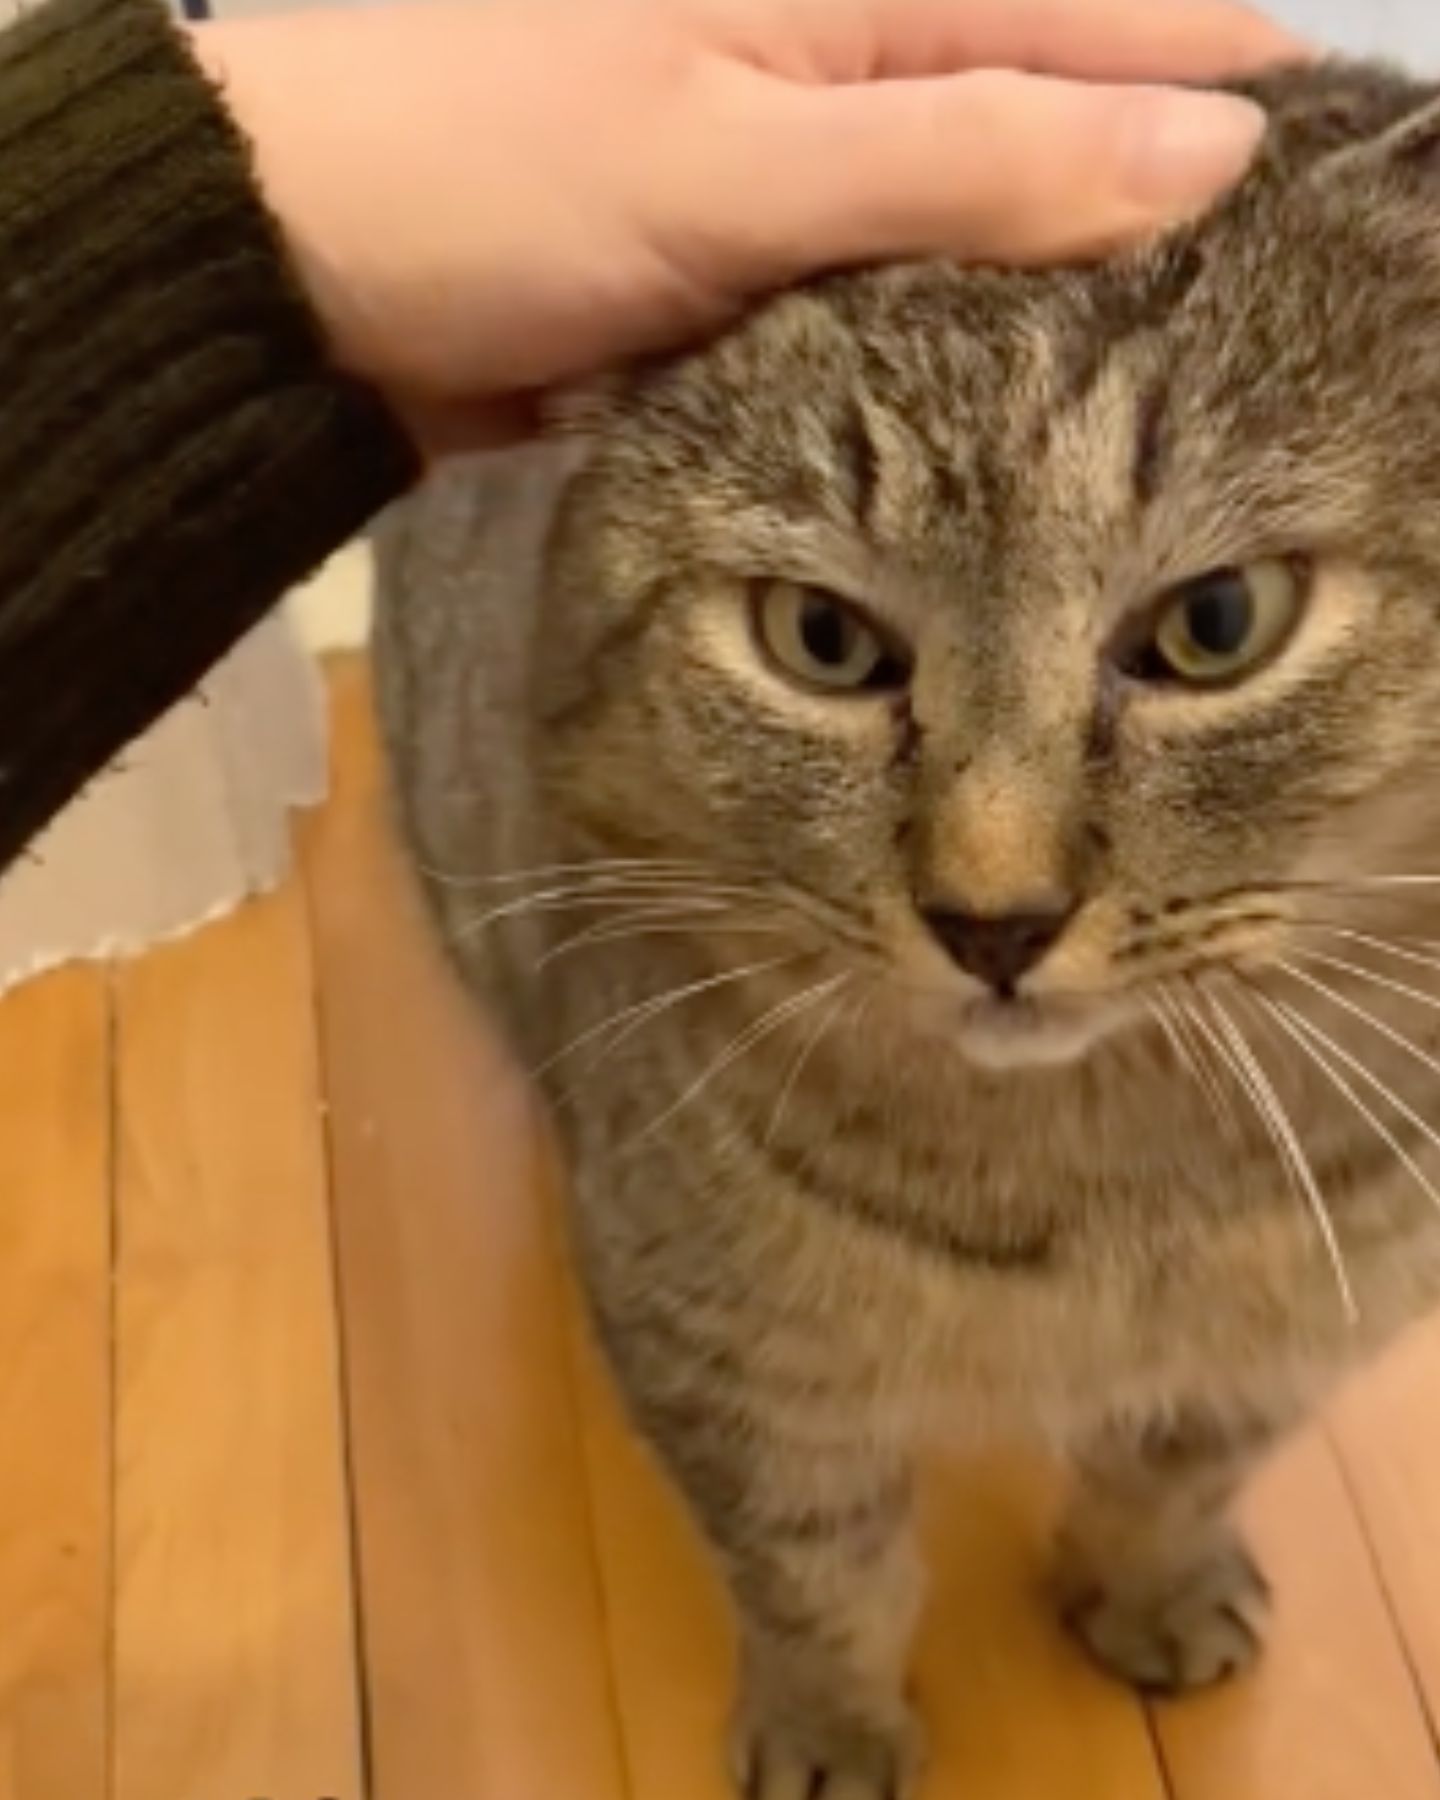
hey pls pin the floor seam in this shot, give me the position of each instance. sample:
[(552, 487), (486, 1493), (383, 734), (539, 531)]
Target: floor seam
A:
[(1382, 1582), (570, 1327), (111, 1029), (349, 1475)]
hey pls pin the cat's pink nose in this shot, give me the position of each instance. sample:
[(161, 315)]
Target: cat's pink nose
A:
[(1000, 948)]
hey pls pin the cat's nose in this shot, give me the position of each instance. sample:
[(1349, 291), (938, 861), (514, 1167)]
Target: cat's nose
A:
[(999, 948)]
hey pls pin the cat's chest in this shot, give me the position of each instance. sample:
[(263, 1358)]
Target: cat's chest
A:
[(1042, 1246), (1121, 1254)]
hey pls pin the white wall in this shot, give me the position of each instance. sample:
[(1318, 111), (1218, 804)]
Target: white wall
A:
[(1401, 28), (1407, 29)]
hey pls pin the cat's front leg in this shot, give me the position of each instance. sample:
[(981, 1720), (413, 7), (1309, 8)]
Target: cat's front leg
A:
[(827, 1600), (816, 1539), (1153, 1578)]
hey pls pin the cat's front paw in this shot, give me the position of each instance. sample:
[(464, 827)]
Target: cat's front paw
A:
[(776, 1756), (1191, 1626)]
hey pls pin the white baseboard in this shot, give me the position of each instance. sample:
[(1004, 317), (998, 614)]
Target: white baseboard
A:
[(332, 611)]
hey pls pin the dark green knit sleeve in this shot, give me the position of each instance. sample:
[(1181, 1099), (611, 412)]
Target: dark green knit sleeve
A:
[(175, 447)]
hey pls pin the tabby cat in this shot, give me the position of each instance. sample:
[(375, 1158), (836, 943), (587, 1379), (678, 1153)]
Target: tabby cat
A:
[(944, 784)]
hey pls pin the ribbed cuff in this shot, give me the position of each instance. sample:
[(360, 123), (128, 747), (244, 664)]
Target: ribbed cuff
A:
[(176, 447)]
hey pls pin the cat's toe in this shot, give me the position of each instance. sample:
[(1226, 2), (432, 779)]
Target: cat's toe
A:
[(1192, 1627), (792, 1759)]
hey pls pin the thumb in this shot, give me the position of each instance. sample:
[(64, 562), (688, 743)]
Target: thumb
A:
[(992, 166)]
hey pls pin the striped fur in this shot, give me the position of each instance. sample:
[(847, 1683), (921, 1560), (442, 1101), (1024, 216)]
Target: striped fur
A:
[(814, 1229)]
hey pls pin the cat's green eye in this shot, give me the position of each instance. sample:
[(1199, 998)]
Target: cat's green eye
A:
[(1220, 626), (824, 642)]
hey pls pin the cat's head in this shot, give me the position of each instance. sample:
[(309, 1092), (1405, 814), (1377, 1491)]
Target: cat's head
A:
[(1050, 637)]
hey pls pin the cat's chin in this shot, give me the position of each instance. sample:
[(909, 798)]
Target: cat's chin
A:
[(1001, 1036)]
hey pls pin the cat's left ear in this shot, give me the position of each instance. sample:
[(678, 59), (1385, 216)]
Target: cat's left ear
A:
[(583, 410)]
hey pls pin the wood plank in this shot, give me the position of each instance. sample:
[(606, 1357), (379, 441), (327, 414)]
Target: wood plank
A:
[(1332, 1713), (667, 1630), (484, 1648), (1016, 1712), (475, 1578), (54, 1387), (1384, 1428), (235, 1645), (1012, 1712)]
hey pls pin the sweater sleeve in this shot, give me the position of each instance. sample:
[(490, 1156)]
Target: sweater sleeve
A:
[(176, 448)]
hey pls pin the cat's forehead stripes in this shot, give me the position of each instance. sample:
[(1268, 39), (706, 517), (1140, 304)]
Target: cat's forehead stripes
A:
[(1152, 443), (1028, 442)]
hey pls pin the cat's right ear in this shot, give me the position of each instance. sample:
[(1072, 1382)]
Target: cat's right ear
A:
[(1407, 154)]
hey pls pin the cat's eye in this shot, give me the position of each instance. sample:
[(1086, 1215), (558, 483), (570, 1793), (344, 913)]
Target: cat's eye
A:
[(824, 642), (1222, 625)]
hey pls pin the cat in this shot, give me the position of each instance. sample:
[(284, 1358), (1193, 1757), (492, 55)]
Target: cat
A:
[(943, 784)]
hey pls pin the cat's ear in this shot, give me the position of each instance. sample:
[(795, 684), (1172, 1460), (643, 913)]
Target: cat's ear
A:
[(1406, 154), (1327, 112), (583, 410)]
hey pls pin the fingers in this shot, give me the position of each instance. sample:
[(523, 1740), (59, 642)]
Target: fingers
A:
[(1094, 40), (989, 167)]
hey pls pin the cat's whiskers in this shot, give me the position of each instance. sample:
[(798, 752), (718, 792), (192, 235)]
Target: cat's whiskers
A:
[(1380, 1086), (626, 866), (1171, 1015), (1235, 1049), (1177, 1044), (660, 919), (1363, 1013), (1388, 946), (570, 897), (807, 1050), (854, 1015), (1215, 1056), (1320, 1047), (1359, 882), (629, 1019), (744, 1041), (689, 927), (699, 891), (1348, 966)]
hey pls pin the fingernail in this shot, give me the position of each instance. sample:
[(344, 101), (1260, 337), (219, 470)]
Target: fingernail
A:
[(1185, 149)]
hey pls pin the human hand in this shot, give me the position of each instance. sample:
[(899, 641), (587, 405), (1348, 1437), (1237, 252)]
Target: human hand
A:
[(487, 200)]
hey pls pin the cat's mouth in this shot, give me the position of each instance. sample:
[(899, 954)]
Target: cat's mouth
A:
[(1021, 1031)]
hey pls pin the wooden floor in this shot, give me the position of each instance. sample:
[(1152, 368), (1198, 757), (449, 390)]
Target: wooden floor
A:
[(310, 1487)]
